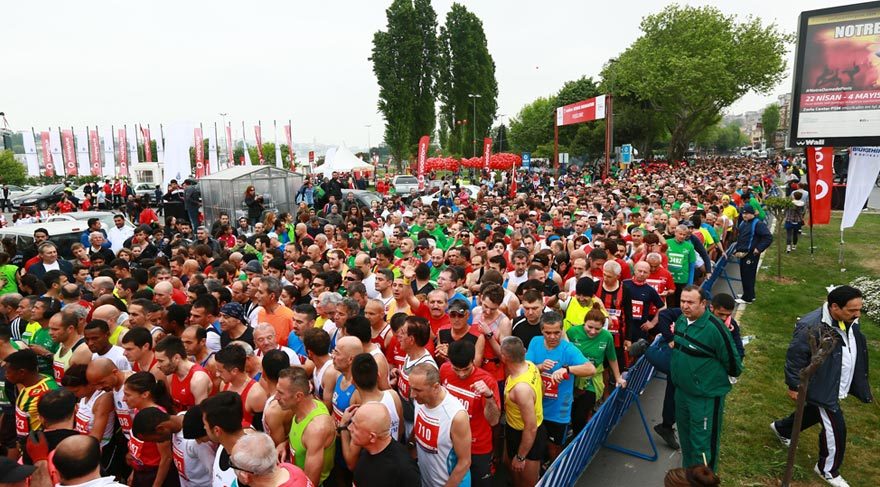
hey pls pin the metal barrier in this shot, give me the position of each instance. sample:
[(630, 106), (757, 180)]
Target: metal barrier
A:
[(569, 465), (719, 270)]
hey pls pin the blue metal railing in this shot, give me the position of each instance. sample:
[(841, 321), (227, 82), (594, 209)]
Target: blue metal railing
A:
[(569, 465)]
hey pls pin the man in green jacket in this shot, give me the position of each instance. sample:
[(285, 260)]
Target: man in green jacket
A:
[(702, 359)]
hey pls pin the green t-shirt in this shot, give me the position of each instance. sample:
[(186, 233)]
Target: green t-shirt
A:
[(7, 278), (40, 336), (681, 256), (597, 350)]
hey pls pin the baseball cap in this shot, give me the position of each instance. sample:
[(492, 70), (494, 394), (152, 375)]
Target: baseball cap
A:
[(11, 471), (748, 209), (253, 266), (233, 310), (407, 214), (459, 305)]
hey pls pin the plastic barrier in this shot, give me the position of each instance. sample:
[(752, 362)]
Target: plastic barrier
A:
[(569, 465)]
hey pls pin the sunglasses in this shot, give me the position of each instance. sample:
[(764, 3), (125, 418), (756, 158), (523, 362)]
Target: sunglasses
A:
[(458, 314), (350, 278), (225, 463)]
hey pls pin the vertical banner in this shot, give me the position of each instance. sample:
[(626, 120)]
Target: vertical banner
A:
[(279, 162), (94, 152), (131, 137), (30, 152), (109, 168), (311, 160), (55, 148), (423, 157), (864, 165), (819, 163), (122, 153), (487, 152), (81, 140), (200, 152), (230, 153), (68, 149), (48, 166), (148, 146), (258, 131), (247, 153), (160, 145), (213, 157), (289, 135)]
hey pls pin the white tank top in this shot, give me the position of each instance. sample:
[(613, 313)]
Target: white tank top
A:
[(266, 409), (318, 378), (514, 280), (123, 413), (433, 434), (185, 455), (85, 418), (388, 402)]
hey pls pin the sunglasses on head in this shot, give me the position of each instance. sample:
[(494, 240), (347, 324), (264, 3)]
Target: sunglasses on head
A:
[(458, 314)]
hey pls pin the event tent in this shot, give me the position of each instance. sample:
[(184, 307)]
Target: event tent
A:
[(342, 160)]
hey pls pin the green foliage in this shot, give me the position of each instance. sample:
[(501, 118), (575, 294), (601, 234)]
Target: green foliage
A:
[(465, 67), (11, 171), (405, 61), (723, 139), (691, 62), (532, 127), (500, 139), (142, 155), (770, 123)]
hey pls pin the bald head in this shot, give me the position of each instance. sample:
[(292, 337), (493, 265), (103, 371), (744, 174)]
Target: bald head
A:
[(102, 374), (77, 458), (373, 417), (163, 287), (106, 312), (350, 346)]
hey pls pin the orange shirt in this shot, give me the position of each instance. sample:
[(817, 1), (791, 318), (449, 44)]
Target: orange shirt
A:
[(281, 320)]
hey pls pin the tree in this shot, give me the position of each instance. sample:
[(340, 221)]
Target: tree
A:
[(11, 171), (691, 62), (465, 68), (142, 155), (405, 61), (500, 139), (770, 122), (532, 128)]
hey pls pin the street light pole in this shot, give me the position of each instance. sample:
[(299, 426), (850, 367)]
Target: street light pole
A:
[(370, 155), (474, 121)]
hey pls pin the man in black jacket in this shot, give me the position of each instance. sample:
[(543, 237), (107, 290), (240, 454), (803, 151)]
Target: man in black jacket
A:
[(753, 238), (844, 372)]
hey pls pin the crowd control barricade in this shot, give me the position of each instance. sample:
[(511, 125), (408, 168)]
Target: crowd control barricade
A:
[(719, 271), (569, 465)]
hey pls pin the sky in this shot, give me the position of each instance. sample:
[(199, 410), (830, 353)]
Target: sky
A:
[(103, 62)]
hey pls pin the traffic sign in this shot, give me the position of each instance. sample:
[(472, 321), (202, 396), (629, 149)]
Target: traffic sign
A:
[(527, 160), (626, 153)]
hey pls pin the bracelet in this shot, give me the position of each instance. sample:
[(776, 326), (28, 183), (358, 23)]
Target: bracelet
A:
[(406, 281)]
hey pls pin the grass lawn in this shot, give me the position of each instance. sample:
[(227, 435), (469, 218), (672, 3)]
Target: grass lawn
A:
[(750, 453)]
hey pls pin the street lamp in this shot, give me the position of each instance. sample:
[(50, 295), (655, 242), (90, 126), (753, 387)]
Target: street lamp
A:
[(475, 96)]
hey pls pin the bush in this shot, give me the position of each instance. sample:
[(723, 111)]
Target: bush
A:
[(870, 287)]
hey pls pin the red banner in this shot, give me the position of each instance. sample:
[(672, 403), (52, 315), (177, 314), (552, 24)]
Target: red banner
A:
[(48, 164), (68, 149), (199, 146), (230, 154), (487, 152), (819, 163), (311, 157), (289, 135), (148, 146), (258, 131), (122, 152), (423, 157), (582, 111), (95, 152)]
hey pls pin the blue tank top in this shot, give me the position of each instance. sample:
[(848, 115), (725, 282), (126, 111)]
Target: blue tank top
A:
[(341, 398)]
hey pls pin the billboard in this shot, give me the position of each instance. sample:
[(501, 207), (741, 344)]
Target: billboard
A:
[(836, 83), (582, 111)]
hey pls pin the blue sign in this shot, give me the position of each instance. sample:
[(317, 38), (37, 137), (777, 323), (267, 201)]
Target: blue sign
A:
[(527, 160), (626, 151)]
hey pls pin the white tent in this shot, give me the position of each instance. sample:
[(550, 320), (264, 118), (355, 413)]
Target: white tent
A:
[(342, 160)]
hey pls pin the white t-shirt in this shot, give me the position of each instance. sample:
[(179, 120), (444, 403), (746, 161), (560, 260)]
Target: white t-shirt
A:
[(116, 354), (192, 460), (55, 266), (433, 433)]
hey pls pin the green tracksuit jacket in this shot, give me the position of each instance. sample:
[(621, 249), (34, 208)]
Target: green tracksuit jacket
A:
[(703, 357)]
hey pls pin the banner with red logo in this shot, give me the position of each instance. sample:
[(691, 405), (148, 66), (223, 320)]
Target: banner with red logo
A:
[(49, 166), (230, 154), (582, 111), (200, 152), (95, 152), (819, 163), (68, 149), (423, 157), (148, 146), (487, 152), (258, 131), (122, 152), (289, 135)]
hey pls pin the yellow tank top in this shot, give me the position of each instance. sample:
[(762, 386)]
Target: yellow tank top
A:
[(576, 312), (117, 333), (533, 378)]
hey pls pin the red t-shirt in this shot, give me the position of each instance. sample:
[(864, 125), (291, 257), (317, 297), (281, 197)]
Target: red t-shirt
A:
[(298, 478), (662, 281), (178, 296), (436, 323), (481, 431)]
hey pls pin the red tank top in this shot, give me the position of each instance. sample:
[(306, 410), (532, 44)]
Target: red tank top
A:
[(137, 367), (181, 392), (380, 338), (247, 417), (145, 453)]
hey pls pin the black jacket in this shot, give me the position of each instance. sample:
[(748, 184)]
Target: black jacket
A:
[(761, 240), (824, 386)]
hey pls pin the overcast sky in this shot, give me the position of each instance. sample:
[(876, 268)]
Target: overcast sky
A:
[(109, 62)]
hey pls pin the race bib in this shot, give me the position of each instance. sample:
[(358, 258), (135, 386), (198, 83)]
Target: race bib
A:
[(403, 385), (58, 370), (675, 259), (427, 431), (638, 308), (551, 388), (177, 457), (135, 447), (82, 423), (22, 427)]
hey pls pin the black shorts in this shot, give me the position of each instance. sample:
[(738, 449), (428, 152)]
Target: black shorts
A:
[(513, 437), (481, 470), (556, 432)]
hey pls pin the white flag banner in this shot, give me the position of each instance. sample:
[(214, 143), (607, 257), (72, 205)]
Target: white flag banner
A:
[(279, 163), (178, 140), (160, 145), (864, 166), (131, 135), (30, 153), (213, 161), (81, 136), (55, 148), (109, 168), (247, 153)]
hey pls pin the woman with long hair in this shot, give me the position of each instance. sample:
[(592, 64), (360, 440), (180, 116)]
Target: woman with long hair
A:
[(254, 203), (151, 462)]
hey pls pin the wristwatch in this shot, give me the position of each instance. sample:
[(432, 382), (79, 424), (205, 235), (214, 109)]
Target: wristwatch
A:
[(490, 334), (520, 458)]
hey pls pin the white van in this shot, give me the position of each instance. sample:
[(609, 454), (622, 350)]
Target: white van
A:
[(62, 233)]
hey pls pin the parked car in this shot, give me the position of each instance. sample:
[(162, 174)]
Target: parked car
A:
[(62, 233), (404, 185), (106, 218), (363, 198), (40, 198), (147, 191)]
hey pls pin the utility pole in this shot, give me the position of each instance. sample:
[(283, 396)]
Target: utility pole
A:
[(474, 121)]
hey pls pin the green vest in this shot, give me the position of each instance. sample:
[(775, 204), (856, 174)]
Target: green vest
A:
[(296, 445)]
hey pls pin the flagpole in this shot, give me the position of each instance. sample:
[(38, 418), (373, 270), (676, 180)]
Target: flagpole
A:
[(75, 154), (810, 185), (34, 134), (113, 141), (217, 145)]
